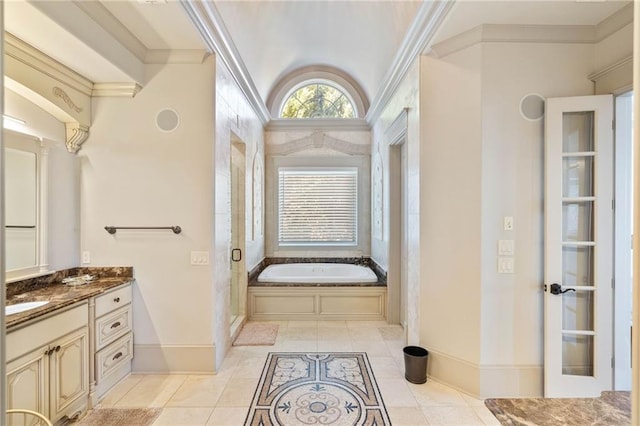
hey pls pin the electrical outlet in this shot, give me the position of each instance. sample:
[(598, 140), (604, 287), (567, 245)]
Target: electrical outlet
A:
[(86, 257), (199, 257), (505, 248), (505, 265)]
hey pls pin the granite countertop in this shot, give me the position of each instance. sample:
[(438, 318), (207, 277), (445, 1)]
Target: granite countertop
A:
[(59, 295)]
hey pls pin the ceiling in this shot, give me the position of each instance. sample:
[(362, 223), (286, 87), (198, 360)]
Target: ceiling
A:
[(357, 37), (112, 40)]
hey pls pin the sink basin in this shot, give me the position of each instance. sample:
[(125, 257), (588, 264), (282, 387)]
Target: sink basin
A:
[(21, 307)]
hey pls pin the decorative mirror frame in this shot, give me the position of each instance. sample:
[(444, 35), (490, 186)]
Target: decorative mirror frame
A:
[(41, 265)]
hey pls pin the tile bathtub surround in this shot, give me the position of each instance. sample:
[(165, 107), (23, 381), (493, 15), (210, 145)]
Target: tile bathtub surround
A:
[(225, 398), (255, 271), (362, 261)]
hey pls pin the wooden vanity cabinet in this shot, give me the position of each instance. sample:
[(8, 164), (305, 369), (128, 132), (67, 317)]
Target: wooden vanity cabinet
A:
[(48, 364), (112, 340)]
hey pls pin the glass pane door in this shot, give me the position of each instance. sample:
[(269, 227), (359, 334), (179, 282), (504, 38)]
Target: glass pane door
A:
[(578, 156), (578, 246)]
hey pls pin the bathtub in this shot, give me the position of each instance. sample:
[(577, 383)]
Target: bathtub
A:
[(317, 273)]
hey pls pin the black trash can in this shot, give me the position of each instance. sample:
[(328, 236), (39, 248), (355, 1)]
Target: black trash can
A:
[(415, 364)]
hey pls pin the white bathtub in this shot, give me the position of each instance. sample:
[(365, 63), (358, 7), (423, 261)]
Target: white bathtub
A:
[(317, 273)]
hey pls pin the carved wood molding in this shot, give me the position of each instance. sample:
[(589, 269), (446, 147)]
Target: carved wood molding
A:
[(318, 140), (76, 134), (60, 93)]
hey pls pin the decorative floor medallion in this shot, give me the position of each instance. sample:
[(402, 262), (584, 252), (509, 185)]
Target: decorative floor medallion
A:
[(317, 389)]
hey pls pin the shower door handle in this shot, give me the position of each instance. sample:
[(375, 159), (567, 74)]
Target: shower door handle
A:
[(236, 255)]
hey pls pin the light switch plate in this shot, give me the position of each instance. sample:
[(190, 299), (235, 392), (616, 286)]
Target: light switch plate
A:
[(505, 265), (506, 248)]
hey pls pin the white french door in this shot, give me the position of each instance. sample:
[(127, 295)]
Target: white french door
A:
[(578, 246)]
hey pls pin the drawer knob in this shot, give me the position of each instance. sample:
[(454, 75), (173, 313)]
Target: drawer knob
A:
[(116, 324), (117, 300), (58, 348), (116, 356)]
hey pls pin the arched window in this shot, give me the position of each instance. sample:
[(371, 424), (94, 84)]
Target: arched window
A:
[(317, 92), (317, 100)]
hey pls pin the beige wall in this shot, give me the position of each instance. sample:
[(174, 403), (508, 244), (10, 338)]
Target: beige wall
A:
[(135, 175), (451, 201), (512, 185), (483, 161)]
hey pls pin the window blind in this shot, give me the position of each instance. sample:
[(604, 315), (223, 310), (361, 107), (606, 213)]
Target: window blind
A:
[(318, 206)]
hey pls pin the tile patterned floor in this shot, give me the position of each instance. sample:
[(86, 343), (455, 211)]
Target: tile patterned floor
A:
[(224, 399)]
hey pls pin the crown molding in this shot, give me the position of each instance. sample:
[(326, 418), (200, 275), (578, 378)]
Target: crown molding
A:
[(501, 33), (208, 21), (101, 15), (398, 129), (497, 33), (317, 124), (33, 58), (95, 40), (539, 33), (176, 56), (615, 22), (126, 90), (424, 26), (616, 65)]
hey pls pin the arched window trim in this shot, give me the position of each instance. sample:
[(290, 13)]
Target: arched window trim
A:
[(322, 81), (327, 75)]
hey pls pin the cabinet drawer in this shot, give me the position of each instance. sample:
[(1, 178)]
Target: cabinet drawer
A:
[(113, 300), (113, 356), (112, 326), (42, 332)]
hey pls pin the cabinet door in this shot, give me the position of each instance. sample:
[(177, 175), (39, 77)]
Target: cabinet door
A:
[(69, 373), (27, 382)]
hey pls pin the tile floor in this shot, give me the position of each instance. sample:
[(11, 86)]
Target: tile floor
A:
[(224, 398)]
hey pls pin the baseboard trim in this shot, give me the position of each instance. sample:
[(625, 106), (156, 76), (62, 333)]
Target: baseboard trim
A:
[(512, 381), (485, 381), (174, 359)]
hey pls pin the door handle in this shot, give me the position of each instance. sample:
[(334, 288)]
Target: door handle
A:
[(557, 289), (236, 255)]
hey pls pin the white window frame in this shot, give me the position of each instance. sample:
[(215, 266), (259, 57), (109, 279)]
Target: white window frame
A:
[(352, 171), (325, 82), (272, 246), (317, 73)]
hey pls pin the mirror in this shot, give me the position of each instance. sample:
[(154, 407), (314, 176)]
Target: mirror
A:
[(22, 189)]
